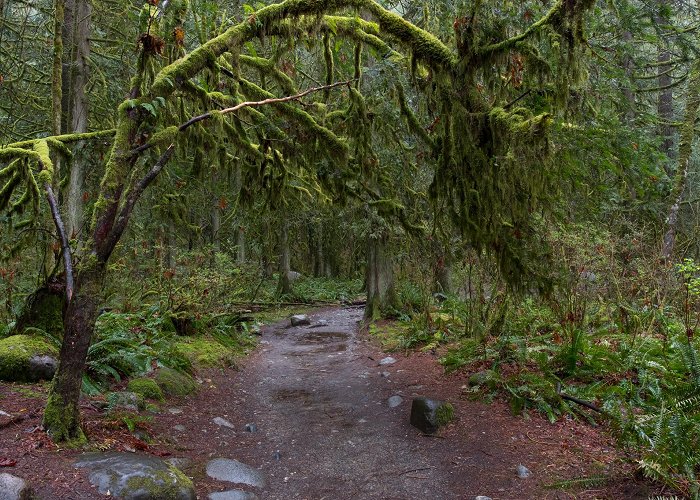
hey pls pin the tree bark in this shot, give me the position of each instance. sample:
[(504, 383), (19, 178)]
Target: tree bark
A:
[(665, 101), (78, 110), (284, 285), (62, 413), (685, 149), (381, 295)]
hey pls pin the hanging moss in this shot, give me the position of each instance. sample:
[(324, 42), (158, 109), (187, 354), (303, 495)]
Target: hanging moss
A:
[(335, 147)]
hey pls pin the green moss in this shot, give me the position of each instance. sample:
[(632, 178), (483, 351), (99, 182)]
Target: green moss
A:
[(174, 383), (206, 353), (165, 485), (146, 387), (444, 414), (62, 422), (15, 352), (42, 150)]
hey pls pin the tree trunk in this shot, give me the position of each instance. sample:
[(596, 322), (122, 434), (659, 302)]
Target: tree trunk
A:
[(381, 295), (443, 270), (78, 111), (629, 112), (62, 413), (685, 149), (215, 228), (284, 285), (170, 243), (665, 102)]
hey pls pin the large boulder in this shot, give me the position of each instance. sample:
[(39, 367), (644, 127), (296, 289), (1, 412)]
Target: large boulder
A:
[(14, 488), (134, 476), (429, 415), (26, 358)]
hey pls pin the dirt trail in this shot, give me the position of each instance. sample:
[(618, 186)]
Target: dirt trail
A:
[(318, 397)]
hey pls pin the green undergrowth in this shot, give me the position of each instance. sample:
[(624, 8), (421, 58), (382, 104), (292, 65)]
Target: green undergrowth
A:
[(640, 368), (128, 345)]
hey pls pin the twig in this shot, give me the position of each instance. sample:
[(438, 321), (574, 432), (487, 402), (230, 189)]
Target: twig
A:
[(417, 470), (521, 96), (65, 246), (577, 400)]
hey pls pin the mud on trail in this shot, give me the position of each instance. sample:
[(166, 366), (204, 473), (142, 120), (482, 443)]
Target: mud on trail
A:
[(316, 400)]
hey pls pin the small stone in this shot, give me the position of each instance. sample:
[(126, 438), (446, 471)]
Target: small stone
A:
[(523, 472), (277, 455), (174, 411), (14, 488), (387, 361), (395, 401), (222, 422), (481, 497), (320, 323), (300, 320), (233, 471), (385, 374), (179, 428), (251, 428)]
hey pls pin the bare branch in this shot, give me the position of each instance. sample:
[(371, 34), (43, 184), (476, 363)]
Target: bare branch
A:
[(65, 246), (264, 102)]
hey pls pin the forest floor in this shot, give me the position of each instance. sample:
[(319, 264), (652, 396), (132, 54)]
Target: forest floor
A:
[(324, 430)]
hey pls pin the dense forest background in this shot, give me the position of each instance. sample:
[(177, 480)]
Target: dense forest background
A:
[(518, 190)]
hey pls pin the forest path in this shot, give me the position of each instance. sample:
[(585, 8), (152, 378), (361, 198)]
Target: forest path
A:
[(319, 401)]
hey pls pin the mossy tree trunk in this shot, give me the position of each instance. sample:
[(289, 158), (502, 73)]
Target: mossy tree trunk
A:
[(62, 413), (381, 294)]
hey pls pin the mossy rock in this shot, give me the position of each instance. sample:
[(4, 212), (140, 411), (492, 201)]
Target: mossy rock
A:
[(134, 476), (146, 387), (175, 383), (488, 378), (206, 353), (129, 401), (43, 310), (23, 358), (429, 415)]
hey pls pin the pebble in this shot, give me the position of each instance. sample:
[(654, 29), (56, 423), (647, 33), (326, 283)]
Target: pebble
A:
[(251, 428), (222, 422), (387, 361), (523, 472), (395, 401)]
